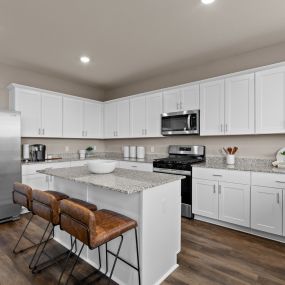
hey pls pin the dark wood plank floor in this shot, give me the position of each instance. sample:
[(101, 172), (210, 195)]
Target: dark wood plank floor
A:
[(210, 255)]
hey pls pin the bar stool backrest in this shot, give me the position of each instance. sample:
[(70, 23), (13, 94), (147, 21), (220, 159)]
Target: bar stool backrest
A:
[(46, 204), (78, 219), (22, 195)]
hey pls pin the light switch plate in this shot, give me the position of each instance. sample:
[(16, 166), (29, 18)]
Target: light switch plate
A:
[(94, 147)]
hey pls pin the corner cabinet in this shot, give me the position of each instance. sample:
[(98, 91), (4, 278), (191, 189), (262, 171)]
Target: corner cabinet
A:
[(270, 101), (145, 115), (41, 112)]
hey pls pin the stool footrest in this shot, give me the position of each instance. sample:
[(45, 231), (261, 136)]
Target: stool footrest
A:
[(123, 260)]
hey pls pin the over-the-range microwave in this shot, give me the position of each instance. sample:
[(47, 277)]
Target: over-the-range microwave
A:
[(180, 123)]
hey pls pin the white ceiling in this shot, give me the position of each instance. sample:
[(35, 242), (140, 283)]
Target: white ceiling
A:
[(129, 40)]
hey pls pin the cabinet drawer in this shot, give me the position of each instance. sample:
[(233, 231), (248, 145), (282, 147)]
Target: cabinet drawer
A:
[(268, 179), (233, 176), (136, 166)]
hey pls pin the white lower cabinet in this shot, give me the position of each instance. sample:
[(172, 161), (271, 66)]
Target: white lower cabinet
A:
[(205, 198), (36, 181), (266, 209), (234, 203)]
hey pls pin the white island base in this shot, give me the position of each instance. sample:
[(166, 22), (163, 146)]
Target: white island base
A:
[(158, 213)]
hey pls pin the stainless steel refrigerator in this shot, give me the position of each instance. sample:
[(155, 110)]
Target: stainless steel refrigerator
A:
[(10, 163)]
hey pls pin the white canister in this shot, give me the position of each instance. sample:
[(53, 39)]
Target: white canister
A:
[(133, 151), (82, 154), (140, 152), (126, 150), (230, 159), (26, 152)]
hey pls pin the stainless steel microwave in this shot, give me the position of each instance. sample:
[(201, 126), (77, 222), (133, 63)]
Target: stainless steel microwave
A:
[(180, 123)]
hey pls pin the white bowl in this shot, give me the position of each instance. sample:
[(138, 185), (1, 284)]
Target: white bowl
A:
[(101, 166)]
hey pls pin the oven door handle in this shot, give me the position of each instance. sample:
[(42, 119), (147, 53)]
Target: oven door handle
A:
[(172, 171), (189, 122)]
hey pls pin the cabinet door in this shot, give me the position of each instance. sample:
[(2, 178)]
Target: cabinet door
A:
[(51, 115), (171, 100), (234, 203), (239, 105), (123, 118), (266, 209), (28, 102), (72, 118), (270, 101), (92, 119), (212, 107), (110, 119), (138, 116), (190, 98), (153, 114), (37, 181), (205, 198)]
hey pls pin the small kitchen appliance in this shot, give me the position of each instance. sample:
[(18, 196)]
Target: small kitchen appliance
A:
[(126, 151), (133, 151), (179, 162), (140, 152), (38, 152)]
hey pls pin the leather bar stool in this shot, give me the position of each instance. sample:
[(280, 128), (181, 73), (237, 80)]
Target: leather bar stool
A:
[(45, 204), (22, 195), (94, 229)]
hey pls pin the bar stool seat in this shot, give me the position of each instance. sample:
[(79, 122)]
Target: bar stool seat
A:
[(95, 228), (46, 205), (22, 195)]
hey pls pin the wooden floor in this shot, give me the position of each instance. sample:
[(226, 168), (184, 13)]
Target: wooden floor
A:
[(210, 255)]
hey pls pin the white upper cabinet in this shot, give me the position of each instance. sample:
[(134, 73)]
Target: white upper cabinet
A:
[(145, 115), (123, 118), (73, 117), (181, 99), (212, 109), (51, 115), (171, 100), (270, 101), (138, 116), (92, 119), (41, 113), (110, 119), (239, 105), (117, 118), (190, 99), (153, 114)]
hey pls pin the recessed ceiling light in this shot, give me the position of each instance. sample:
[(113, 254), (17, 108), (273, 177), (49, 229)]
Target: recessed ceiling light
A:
[(207, 1), (84, 59)]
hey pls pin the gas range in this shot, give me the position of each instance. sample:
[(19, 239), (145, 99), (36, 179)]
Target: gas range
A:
[(179, 162), (180, 159)]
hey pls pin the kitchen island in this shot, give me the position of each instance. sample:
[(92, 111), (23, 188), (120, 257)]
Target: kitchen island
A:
[(152, 199)]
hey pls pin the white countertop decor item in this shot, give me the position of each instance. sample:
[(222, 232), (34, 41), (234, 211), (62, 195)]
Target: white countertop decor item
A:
[(230, 154), (101, 166), (133, 151), (126, 151), (140, 152), (82, 153)]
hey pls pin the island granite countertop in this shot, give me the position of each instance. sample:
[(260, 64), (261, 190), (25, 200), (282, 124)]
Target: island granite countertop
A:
[(242, 164), (121, 180)]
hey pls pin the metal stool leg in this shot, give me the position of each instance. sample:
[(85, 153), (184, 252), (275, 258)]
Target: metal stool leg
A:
[(138, 257), (32, 260), (21, 236), (116, 258)]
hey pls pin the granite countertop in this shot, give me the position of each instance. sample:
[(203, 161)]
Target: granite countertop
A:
[(121, 180), (111, 156), (242, 164)]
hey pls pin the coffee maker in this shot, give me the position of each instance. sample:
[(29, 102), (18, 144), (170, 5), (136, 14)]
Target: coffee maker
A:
[(37, 152)]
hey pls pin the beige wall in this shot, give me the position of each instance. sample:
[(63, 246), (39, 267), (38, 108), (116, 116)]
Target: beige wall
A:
[(10, 74), (55, 146), (261, 146), (260, 57)]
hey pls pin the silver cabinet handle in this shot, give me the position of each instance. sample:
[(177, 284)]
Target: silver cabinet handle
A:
[(221, 127), (278, 181), (39, 131), (214, 190), (43, 132), (277, 198), (134, 166), (217, 175), (83, 133)]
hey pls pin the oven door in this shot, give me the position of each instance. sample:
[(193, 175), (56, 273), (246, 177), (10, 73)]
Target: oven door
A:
[(180, 123)]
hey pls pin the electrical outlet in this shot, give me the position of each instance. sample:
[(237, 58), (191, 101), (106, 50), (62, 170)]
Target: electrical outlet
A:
[(66, 148), (152, 148), (94, 147)]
